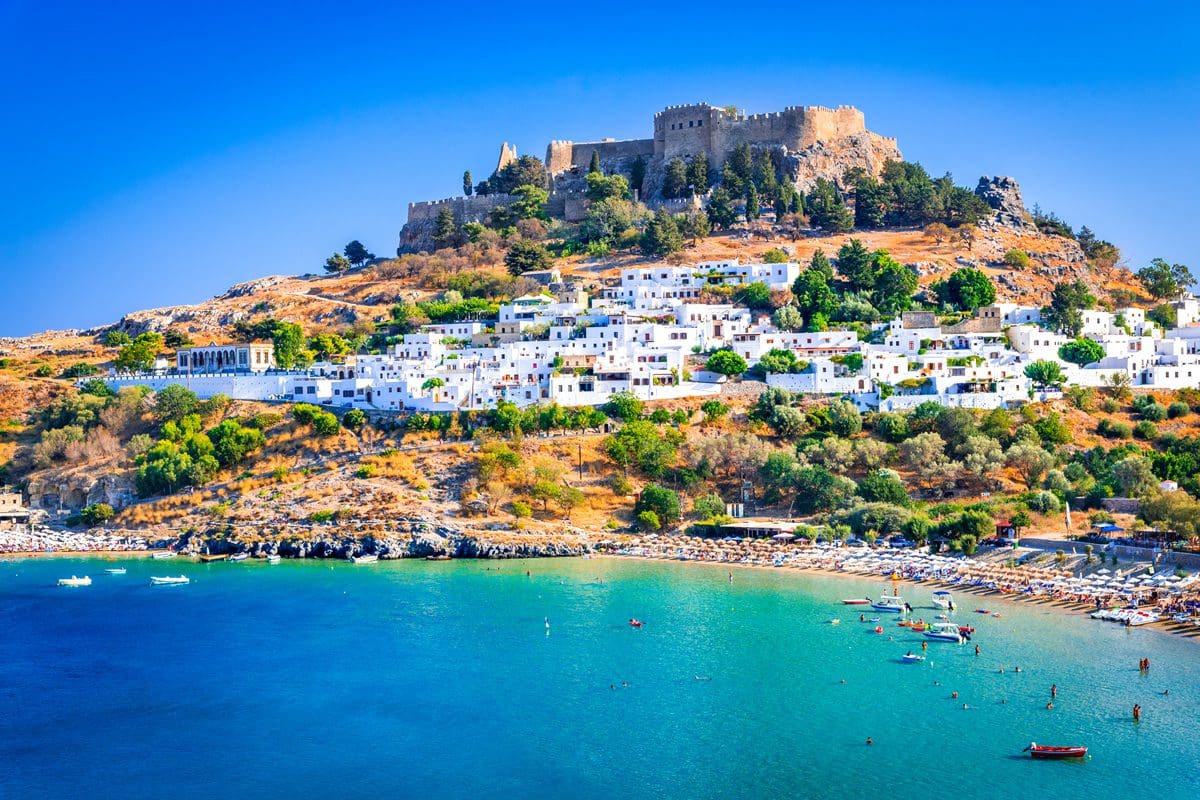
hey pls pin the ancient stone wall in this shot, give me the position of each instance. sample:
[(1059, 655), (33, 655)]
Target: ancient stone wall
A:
[(564, 155)]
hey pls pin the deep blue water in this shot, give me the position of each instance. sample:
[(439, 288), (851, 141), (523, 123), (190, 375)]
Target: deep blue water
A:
[(417, 679)]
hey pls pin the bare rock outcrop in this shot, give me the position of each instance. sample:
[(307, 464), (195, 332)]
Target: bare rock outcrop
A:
[(1004, 195)]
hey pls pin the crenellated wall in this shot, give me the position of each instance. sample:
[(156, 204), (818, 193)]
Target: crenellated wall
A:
[(562, 155)]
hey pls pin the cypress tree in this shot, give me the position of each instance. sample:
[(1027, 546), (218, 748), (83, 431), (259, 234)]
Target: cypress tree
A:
[(594, 166)]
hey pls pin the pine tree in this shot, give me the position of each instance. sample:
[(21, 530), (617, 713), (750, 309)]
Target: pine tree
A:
[(752, 209), (594, 166), (675, 181), (637, 174), (445, 233), (467, 183), (698, 173)]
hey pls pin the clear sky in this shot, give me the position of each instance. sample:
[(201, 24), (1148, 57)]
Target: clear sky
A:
[(156, 153)]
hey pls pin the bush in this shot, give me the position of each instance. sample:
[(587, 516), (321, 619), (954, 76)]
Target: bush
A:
[(321, 517), (354, 419), (1018, 259), (726, 362), (365, 471), (775, 256), (620, 485), (1178, 409), (1155, 412), (1114, 430), (1042, 502), (81, 369), (97, 514), (44, 371), (1146, 430), (648, 521), (708, 506), (521, 509)]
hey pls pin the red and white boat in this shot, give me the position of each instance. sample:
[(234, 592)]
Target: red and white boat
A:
[(1046, 752), (857, 601)]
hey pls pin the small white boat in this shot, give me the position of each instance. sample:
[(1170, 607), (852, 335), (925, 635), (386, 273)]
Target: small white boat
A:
[(857, 601), (116, 571), (239, 556), (835, 622), (364, 559), (944, 632), (890, 604), (74, 581), (274, 558), (168, 581), (943, 600), (166, 554), (912, 658)]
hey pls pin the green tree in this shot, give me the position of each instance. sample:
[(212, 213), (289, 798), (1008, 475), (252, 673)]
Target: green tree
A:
[(1045, 374), (1165, 281), (895, 284), (756, 295), (883, 486), (967, 289), (720, 210), (96, 514), (531, 203), (594, 164), (525, 171), (844, 418), (726, 362), (233, 442), (606, 187), (174, 402), (662, 501), (354, 419), (779, 361), (116, 338), (788, 318), (826, 208), (467, 183), (648, 521), (675, 179), (708, 506), (1081, 351), (357, 254), (289, 341), (856, 266), (526, 256), (813, 293), (697, 173), (624, 406), (1068, 301), (446, 232), (1030, 461), (752, 205), (662, 236), (713, 410), (139, 355), (637, 174), (337, 263)]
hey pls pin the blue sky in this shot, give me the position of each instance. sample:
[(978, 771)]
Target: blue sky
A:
[(155, 153)]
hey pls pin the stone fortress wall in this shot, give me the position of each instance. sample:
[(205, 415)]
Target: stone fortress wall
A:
[(818, 141)]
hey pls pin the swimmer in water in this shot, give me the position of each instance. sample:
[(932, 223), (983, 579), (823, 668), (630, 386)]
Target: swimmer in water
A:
[(954, 695), (1049, 706), (870, 741)]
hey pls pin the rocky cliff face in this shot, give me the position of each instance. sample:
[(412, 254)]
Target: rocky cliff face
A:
[(831, 159), (1004, 194)]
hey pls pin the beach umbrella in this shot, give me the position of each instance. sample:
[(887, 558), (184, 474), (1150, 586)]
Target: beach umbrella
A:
[(783, 537)]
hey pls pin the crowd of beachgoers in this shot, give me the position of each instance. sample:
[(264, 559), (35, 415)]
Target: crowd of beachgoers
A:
[(1144, 595), (26, 539)]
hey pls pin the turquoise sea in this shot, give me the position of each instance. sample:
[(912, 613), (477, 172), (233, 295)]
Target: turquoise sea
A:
[(416, 679)]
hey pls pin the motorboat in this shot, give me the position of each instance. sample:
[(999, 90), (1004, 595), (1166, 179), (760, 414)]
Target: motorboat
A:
[(239, 556), (912, 658), (116, 571), (274, 558), (945, 632), (943, 600), (74, 581), (164, 554), (208, 557), (364, 559), (857, 601), (891, 604), (168, 581), (1048, 753), (835, 621)]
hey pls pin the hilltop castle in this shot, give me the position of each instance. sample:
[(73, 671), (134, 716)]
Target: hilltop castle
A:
[(814, 142)]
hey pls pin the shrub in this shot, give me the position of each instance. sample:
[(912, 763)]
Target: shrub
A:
[(97, 514), (44, 371), (321, 517), (325, 424), (1178, 409), (521, 509), (1042, 502), (81, 369), (1114, 430), (1155, 412), (1016, 258), (365, 471), (775, 256), (708, 506), (648, 521), (662, 501), (354, 419), (1146, 430)]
